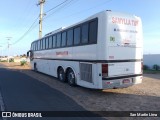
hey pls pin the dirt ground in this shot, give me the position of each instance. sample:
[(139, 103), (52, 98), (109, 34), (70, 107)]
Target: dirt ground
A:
[(141, 97)]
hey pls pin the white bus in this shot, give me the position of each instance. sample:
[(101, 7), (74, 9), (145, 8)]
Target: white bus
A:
[(103, 51)]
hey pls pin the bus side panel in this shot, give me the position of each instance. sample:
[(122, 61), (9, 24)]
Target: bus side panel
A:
[(50, 67), (102, 37), (124, 68), (86, 52), (63, 53), (89, 76)]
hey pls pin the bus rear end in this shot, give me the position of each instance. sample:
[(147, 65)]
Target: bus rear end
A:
[(123, 66)]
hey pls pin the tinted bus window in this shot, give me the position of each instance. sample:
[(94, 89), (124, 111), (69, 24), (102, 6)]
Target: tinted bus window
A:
[(44, 43), (36, 45), (50, 42), (54, 41), (69, 37), (93, 32), (39, 45), (31, 47), (84, 34), (77, 36), (47, 43), (58, 40), (63, 39)]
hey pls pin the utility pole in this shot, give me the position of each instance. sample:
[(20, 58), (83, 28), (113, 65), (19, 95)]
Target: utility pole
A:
[(8, 38), (41, 2)]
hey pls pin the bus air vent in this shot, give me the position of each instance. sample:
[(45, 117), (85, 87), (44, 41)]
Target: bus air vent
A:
[(86, 72)]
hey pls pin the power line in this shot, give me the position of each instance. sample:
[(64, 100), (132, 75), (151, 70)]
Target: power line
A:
[(56, 6), (33, 26), (27, 12), (64, 4), (79, 12), (30, 28)]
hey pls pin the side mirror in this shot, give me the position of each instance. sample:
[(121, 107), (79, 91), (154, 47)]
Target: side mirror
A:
[(28, 54)]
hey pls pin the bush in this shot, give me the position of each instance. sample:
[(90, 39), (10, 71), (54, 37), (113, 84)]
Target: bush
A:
[(11, 60), (23, 63), (145, 67), (3, 61), (156, 67)]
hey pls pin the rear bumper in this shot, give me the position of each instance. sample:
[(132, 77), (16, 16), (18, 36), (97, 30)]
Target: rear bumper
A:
[(118, 82)]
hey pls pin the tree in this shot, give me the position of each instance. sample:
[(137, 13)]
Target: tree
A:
[(156, 67)]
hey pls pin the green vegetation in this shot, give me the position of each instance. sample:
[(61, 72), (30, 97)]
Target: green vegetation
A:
[(145, 67), (11, 60), (156, 67), (23, 63), (3, 61), (151, 71)]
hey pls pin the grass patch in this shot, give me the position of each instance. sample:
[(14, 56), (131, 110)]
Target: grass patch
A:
[(151, 71), (3, 61)]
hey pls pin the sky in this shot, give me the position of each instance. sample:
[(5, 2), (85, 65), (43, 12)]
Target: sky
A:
[(19, 20)]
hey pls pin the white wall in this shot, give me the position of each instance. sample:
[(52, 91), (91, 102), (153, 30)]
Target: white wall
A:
[(151, 59)]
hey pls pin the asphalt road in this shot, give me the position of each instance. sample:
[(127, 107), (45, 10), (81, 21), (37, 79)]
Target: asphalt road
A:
[(23, 93)]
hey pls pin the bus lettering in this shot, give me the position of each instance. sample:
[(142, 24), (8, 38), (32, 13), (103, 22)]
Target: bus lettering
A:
[(62, 53), (124, 21)]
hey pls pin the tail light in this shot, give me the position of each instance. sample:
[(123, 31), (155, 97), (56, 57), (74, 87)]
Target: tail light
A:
[(104, 70)]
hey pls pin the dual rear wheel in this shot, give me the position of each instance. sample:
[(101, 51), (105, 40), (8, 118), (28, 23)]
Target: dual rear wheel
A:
[(69, 76)]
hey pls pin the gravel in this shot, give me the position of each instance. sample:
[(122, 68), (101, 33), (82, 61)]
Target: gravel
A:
[(141, 97)]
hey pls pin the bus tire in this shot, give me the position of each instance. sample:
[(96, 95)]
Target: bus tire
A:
[(71, 77), (61, 74)]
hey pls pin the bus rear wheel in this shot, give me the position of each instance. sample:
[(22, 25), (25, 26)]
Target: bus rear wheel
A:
[(71, 77), (61, 74)]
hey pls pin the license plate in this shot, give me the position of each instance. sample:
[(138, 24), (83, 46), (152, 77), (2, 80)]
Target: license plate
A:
[(126, 81)]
